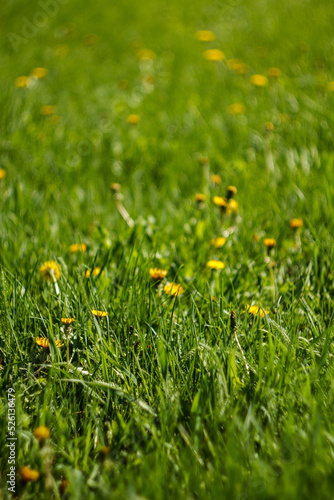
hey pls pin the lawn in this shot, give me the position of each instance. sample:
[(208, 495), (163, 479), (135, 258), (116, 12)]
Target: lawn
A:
[(166, 248)]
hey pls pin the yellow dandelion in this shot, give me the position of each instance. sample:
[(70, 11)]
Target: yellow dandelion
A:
[(28, 474), (236, 109), (259, 80), (67, 321), (232, 206), (50, 270), (22, 82), (173, 289), (219, 201), (78, 247), (296, 223), (133, 119), (146, 55), (2, 173), (218, 242), (39, 72), (88, 273), (215, 264), (255, 310), (269, 126), (157, 274), (238, 66), (42, 433), (199, 197), (115, 187), (231, 191), (205, 36), (99, 314), (274, 72), (216, 179), (44, 342), (47, 110), (214, 55), (270, 243), (330, 85)]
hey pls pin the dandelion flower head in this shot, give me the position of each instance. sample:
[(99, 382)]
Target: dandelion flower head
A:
[(50, 270)]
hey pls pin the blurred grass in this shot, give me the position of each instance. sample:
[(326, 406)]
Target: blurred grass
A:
[(186, 405)]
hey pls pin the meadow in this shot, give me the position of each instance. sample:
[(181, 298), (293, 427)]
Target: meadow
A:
[(166, 248)]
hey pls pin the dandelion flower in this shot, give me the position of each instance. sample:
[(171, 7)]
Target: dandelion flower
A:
[(42, 433), (44, 342), (219, 201), (269, 126), (173, 289), (146, 55), (47, 110), (274, 72), (238, 66), (96, 272), (133, 119), (231, 191), (270, 243), (296, 223), (216, 179), (39, 72), (236, 109), (255, 310), (99, 314), (22, 82), (214, 55), (205, 36), (67, 321), (232, 206), (157, 274), (2, 173), (78, 247), (259, 80), (218, 242), (50, 270), (28, 474), (215, 264)]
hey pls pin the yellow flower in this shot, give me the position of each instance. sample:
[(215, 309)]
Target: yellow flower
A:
[(99, 314), (330, 85), (269, 126), (219, 201), (236, 109), (274, 72), (218, 242), (39, 72), (67, 321), (296, 223), (115, 187), (173, 289), (215, 264), (96, 272), (133, 119), (205, 36), (22, 81), (259, 80), (157, 274), (199, 197), (146, 54), (232, 206), (42, 433), (214, 55), (47, 110), (43, 342), (28, 474), (270, 243), (237, 66), (78, 247), (231, 191), (257, 310), (2, 173), (216, 179), (50, 270)]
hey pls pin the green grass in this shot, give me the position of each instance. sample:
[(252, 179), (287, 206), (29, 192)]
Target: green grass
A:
[(189, 404)]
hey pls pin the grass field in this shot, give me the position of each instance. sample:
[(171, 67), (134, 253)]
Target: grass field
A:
[(194, 138)]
